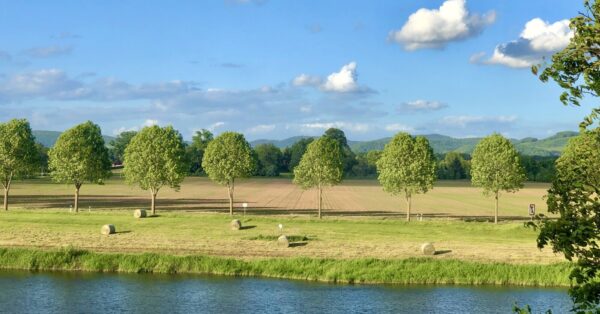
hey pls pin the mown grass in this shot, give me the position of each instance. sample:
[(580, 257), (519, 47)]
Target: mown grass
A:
[(367, 270)]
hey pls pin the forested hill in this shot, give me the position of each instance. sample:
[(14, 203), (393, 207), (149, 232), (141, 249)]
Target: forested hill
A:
[(48, 138), (550, 146)]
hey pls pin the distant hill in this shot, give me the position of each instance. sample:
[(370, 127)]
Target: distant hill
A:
[(550, 146), (48, 138)]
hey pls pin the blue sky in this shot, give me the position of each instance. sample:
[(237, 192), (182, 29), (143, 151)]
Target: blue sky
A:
[(273, 69)]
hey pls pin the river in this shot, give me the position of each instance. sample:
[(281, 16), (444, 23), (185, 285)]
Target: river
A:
[(25, 292)]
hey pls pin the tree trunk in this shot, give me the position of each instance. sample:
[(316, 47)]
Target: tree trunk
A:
[(6, 197), (77, 187), (408, 206), (496, 212), (230, 188), (320, 201), (153, 203)]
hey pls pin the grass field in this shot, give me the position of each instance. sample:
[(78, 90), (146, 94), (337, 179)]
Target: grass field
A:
[(453, 199)]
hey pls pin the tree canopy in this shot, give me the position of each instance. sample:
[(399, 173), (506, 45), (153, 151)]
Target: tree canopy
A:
[(348, 156), (574, 196), (18, 153), (78, 156), (118, 145), (407, 165), (576, 68), (496, 166), (228, 157), (294, 153), (321, 166), (154, 158), (270, 160), (195, 151)]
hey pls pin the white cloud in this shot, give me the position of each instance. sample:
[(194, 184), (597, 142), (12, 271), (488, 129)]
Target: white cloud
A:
[(435, 28), (537, 40), (348, 126), (216, 125), (306, 80), (150, 122), (466, 121), (397, 127), (343, 81), (262, 128), (422, 106)]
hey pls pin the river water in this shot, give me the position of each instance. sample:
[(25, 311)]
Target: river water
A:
[(25, 292)]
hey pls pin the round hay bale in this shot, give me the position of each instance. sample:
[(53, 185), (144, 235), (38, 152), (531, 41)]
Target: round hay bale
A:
[(283, 241), (108, 229), (140, 213), (236, 224), (428, 249)]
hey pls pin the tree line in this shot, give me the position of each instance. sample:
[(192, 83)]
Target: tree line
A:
[(157, 157)]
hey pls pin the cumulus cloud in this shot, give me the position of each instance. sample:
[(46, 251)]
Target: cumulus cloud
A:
[(468, 121), (435, 28), (48, 51), (397, 127), (213, 127), (306, 80), (421, 106), (538, 39), (343, 81), (147, 122)]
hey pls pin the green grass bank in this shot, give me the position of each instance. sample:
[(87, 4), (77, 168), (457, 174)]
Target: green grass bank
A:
[(367, 271)]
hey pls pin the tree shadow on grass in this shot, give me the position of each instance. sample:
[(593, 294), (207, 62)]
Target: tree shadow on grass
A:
[(296, 244)]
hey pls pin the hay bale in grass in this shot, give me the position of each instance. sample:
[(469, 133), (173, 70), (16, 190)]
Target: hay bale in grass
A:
[(236, 224), (108, 229), (140, 213), (428, 249), (283, 241)]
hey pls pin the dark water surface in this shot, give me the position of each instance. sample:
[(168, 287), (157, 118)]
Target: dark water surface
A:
[(24, 292)]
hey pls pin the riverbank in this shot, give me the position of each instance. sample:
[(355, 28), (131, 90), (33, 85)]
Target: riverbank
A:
[(364, 271)]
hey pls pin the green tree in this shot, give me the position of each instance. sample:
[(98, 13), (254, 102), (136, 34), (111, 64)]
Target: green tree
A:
[(348, 157), (453, 167), (227, 158), (155, 158), (574, 196), (78, 156), (496, 166), (195, 151), (42, 152), (294, 153), (321, 166), (119, 144), (18, 153), (575, 69), (407, 165), (269, 159)]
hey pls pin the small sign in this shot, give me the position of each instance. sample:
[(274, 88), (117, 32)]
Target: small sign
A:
[(531, 209)]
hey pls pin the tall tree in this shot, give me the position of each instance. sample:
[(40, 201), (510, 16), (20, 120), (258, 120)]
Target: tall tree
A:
[(119, 144), (407, 165), (573, 196), (269, 159), (321, 166), (496, 166), (78, 156), (154, 158), (195, 150), (227, 158), (348, 156), (18, 153), (294, 153), (575, 68)]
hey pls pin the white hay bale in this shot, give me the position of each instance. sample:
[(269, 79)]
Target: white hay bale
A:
[(108, 229), (140, 213), (283, 241), (428, 249), (236, 224)]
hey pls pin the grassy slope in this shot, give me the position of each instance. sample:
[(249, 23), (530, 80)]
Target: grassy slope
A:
[(409, 271)]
